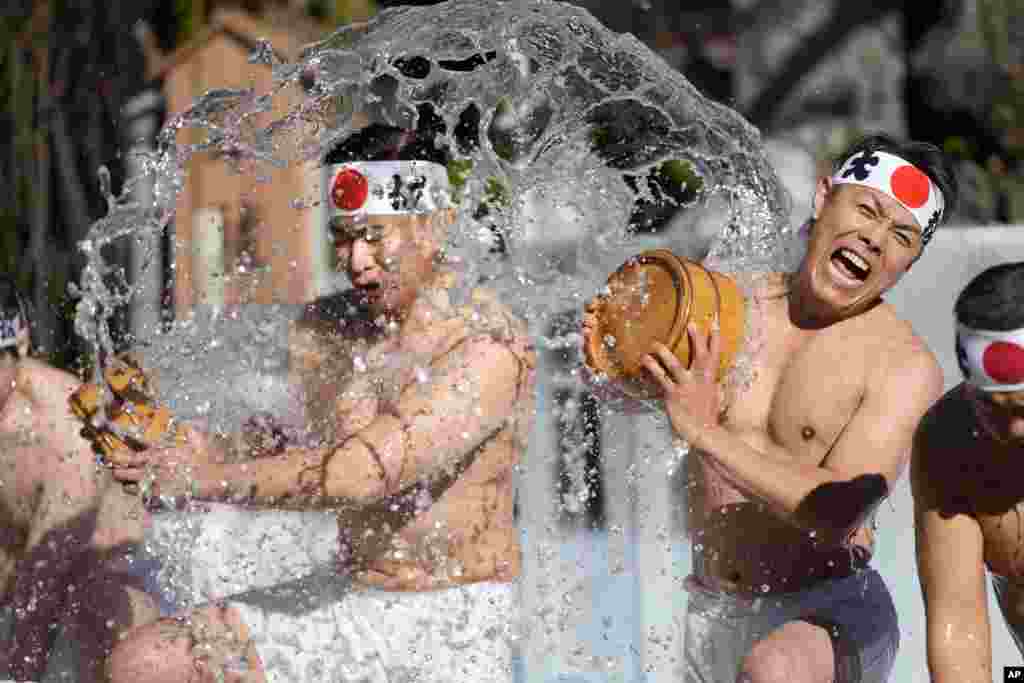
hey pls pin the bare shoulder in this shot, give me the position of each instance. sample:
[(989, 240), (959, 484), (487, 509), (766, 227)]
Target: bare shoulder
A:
[(945, 433), (486, 312), (945, 450), (899, 355), (482, 331), (479, 317), (45, 385)]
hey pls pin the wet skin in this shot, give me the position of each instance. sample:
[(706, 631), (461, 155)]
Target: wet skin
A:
[(798, 408), (407, 329), (63, 522), (467, 533), (419, 409), (785, 474), (969, 503), (794, 466)]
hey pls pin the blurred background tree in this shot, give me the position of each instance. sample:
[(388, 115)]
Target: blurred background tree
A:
[(69, 71)]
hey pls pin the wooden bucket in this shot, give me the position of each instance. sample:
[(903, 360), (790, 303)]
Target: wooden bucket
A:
[(139, 421), (652, 297)]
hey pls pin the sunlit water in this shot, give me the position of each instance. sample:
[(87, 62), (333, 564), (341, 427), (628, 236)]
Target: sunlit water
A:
[(576, 125)]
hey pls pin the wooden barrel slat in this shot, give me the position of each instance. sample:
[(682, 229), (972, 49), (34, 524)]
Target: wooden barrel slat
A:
[(699, 294)]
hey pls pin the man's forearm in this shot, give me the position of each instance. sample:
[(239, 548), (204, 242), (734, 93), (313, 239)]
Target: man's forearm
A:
[(948, 667), (957, 655), (295, 478)]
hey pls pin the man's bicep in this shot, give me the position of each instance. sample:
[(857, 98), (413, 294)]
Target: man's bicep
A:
[(879, 438), (950, 555)]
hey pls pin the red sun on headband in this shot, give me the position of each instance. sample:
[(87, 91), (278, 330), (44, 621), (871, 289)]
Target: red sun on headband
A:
[(901, 180), (350, 190), (991, 361)]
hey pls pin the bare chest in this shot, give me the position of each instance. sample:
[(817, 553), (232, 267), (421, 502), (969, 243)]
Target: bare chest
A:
[(20, 494), (24, 448), (803, 392), (354, 380)]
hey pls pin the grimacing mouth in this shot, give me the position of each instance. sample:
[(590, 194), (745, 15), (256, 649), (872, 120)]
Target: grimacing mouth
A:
[(851, 263)]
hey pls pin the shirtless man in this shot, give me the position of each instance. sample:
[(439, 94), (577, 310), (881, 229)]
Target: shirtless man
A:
[(785, 476), (965, 476), (421, 405), (64, 523)]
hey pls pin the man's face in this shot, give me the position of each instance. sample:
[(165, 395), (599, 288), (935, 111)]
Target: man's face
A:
[(861, 243), (388, 258), (1001, 414)]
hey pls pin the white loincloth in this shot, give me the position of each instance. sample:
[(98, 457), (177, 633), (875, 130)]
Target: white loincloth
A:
[(324, 628), (214, 550)]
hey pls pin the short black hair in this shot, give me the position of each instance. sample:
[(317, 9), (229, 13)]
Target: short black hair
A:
[(926, 156), (994, 299), (383, 142)]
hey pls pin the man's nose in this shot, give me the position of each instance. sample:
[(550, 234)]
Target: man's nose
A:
[(871, 235), (362, 255)]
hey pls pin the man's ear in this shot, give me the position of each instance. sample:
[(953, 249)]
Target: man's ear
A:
[(24, 344), (822, 189)]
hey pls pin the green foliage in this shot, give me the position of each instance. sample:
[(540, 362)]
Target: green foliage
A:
[(1000, 177), (189, 16), (458, 173), (995, 17), (17, 91), (680, 175), (496, 194), (340, 12)]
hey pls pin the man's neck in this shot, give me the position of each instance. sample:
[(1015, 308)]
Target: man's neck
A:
[(807, 312), (421, 310)]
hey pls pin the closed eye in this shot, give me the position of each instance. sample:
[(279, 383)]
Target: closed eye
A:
[(904, 238)]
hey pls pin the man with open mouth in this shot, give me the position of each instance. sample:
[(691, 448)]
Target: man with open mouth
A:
[(785, 474), (420, 405)]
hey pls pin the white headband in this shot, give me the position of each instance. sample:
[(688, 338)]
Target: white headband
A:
[(387, 187), (901, 180), (991, 361), (10, 331)]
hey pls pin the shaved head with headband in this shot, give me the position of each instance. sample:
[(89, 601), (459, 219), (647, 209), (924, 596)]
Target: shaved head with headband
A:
[(899, 179), (917, 175), (990, 329)]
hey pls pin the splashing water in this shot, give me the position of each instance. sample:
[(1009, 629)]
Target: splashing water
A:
[(575, 123), (583, 135)]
